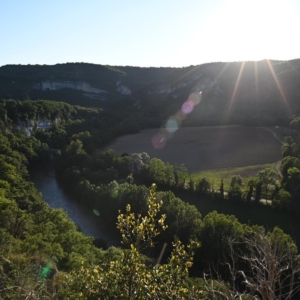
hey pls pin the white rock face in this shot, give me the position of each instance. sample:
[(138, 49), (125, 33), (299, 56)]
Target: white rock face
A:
[(75, 85), (122, 88), (40, 123)]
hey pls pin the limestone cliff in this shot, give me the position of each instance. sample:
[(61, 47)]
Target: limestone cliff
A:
[(49, 85)]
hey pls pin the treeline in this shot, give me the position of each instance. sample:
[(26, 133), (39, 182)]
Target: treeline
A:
[(92, 172), (108, 182), (101, 181), (288, 197)]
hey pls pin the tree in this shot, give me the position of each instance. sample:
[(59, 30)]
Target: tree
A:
[(287, 163), (169, 174), (267, 177), (184, 220), (75, 147), (258, 188), (130, 277), (293, 181), (222, 189), (236, 180), (270, 264), (156, 171), (13, 218), (121, 164), (214, 230), (235, 191), (292, 185), (182, 174), (138, 162), (250, 184), (289, 147), (203, 186), (192, 184), (295, 123), (282, 200)]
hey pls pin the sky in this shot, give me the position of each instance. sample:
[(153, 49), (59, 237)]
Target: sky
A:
[(148, 33)]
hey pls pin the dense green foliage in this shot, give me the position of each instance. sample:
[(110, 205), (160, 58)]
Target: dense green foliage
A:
[(33, 235), (288, 196), (93, 126), (43, 255)]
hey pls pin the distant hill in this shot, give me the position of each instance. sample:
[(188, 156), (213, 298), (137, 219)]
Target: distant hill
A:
[(248, 93)]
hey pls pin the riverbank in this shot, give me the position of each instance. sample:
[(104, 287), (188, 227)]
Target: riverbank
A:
[(43, 177)]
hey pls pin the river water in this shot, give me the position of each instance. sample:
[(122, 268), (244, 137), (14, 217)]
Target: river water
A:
[(45, 182)]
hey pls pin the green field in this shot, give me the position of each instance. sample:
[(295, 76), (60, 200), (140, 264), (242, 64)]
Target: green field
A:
[(215, 176)]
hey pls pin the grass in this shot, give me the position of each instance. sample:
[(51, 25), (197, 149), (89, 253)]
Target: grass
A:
[(215, 176)]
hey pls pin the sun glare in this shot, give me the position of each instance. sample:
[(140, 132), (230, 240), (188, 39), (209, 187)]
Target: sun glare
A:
[(253, 30)]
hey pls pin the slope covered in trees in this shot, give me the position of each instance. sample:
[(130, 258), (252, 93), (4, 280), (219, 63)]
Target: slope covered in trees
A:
[(44, 256), (247, 93)]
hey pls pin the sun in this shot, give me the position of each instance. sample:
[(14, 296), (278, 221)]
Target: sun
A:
[(253, 30)]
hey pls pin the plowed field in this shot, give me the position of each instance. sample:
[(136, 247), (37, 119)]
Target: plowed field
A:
[(206, 148)]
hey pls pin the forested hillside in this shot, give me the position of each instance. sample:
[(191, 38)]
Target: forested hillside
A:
[(247, 93), (43, 255)]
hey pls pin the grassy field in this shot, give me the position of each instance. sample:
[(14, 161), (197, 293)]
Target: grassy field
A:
[(205, 148), (215, 176)]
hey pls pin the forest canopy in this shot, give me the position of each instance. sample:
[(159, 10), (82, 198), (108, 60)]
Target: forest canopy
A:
[(43, 255)]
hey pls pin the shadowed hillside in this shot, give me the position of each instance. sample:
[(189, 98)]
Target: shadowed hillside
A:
[(247, 93)]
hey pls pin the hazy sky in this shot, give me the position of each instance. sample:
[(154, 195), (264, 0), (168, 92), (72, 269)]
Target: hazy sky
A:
[(148, 32)]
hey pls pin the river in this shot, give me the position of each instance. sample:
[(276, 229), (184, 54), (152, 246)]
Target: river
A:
[(45, 182)]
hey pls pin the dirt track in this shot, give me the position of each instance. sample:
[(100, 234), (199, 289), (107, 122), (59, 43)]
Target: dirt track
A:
[(206, 148)]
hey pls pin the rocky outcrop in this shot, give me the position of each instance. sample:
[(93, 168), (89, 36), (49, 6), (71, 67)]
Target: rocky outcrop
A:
[(49, 85), (122, 88), (30, 125), (87, 89)]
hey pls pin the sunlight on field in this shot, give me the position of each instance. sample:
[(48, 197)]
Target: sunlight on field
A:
[(215, 176)]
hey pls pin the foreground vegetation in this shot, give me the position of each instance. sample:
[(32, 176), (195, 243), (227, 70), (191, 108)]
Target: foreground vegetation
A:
[(44, 256)]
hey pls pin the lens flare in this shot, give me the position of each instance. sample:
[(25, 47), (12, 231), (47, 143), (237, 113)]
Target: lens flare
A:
[(166, 133), (195, 98), (46, 270), (96, 212), (187, 107), (159, 141), (172, 125), (180, 115)]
